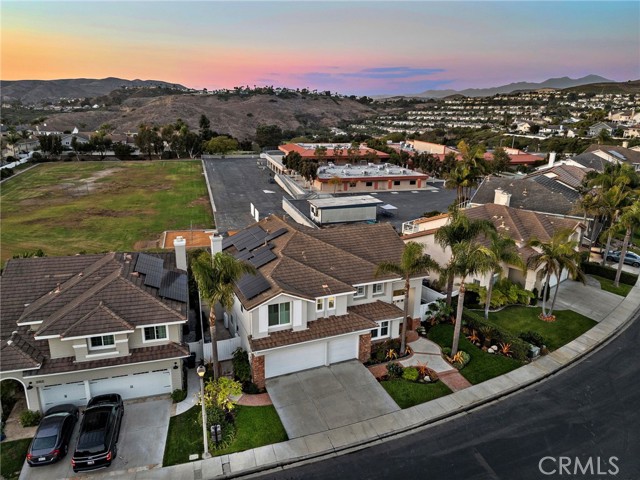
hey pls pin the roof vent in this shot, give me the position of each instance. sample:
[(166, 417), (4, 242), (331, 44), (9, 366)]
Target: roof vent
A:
[(57, 290), (9, 342)]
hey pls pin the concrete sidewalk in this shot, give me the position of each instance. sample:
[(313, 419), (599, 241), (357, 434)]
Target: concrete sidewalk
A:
[(358, 435)]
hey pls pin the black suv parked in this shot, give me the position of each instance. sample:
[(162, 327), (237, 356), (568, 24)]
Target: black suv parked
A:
[(99, 431)]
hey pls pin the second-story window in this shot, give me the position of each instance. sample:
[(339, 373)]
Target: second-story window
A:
[(378, 288), (101, 342), (279, 314), (319, 304), (360, 292), (331, 303), (155, 333)]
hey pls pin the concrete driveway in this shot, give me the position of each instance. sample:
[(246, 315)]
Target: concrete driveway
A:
[(141, 445), (325, 398), (588, 300)]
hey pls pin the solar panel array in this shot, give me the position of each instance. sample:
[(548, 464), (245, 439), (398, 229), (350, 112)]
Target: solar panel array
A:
[(151, 267), (253, 285), (174, 286)]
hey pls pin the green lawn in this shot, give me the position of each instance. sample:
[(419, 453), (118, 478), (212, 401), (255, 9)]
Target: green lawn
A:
[(256, 426), (568, 324), (407, 394), (12, 456), (71, 207), (608, 286), (482, 366)]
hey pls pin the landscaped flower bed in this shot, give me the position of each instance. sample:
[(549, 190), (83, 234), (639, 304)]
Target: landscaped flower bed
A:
[(409, 386)]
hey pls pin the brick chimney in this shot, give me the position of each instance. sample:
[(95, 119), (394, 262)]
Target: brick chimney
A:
[(501, 197), (216, 244), (180, 244)]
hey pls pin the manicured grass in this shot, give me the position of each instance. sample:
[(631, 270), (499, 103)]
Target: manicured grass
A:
[(483, 365), (255, 427), (407, 394), (568, 324), (72, 207), (12, 456), (608, 286)]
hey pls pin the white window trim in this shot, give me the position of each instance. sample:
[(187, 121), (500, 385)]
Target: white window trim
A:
[(329, 307), (320, 302), (102, 354), (166, 331), (279, 325), (373, 289), (101, 347), (379, 330), (364, 291)]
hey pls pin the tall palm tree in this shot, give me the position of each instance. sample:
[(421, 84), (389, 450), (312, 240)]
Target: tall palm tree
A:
[(460, 228), (554, 256), (412, 262), (215, 276), (629, 219), (504, 250), (470, 258), (611, 202)]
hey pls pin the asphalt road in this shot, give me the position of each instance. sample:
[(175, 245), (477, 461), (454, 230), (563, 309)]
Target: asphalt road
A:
[(589, 411)]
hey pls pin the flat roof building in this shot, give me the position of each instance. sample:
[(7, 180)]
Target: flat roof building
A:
[(338, 153), (367, 178)]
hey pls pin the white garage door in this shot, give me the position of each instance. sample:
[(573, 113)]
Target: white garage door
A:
[(133, 386), (342, 349), (294, 359), (554, 279), (64, 393)]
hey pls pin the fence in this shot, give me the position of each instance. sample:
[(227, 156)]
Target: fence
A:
[(225, 349)]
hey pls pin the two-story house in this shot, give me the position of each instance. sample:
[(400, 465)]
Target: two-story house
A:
[(80, 326), (315, 299)]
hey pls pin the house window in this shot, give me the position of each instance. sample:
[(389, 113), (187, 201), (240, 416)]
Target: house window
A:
[(319, 304), (382, 330), (279, 314), (378, 288), (352, 184), (331, 303), (412, 182), (369, 184), (155, 333), (396, 182), (101, 342), (360, 291)]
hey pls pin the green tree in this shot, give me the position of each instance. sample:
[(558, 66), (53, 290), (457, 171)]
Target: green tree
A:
[(268, 135), (220, 393), (501, 160), (122, 150), (293, 161), (630, 219), (503, 250), (554, 256), (205, 128), (147, 139), (215, 276), (320, 153), (414, 262), (469, 258), (459, 229), (221, 144)]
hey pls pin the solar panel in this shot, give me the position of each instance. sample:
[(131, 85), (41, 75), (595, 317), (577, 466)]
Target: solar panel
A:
[(253, 285), (617, 154), (151, 267), (276, 234), (263, 259), (174, 286), (251, 238), (243, 255)]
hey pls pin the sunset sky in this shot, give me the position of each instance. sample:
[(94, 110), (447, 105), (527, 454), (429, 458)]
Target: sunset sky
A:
[(353, 47)]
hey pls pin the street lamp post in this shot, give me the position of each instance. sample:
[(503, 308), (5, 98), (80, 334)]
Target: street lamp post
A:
[(201, 371)]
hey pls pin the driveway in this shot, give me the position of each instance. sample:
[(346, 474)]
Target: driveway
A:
[(325, 398), (588, 300), (141, 445)]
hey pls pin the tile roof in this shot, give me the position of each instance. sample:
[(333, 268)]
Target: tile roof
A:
[(19, 352), (136, 355), (308, 151), (98, 321), (590, 160), (310, 263), (570, 175), (316, 329), (377, 311), (629, 154)]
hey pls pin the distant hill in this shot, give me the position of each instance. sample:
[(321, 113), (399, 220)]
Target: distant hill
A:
[(235, 115), (632, 86), (38, 91), (556, 83)]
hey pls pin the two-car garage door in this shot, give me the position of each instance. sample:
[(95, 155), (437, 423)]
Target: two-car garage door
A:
[(128, 386), (310, 355)]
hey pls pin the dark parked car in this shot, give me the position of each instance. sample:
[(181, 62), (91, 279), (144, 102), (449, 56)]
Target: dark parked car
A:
[(51, 441), (99, 432), (630, 258)]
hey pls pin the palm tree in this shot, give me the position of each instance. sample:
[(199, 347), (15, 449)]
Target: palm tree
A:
[(629, 219), (504, 250), (470, 258), (413, 262), (554, 256), (216, 276), (460, 228), (611, 202)]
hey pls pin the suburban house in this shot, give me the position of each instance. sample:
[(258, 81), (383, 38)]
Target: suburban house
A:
[(597, 156), (521, 225), (315, 299), (67, 140), (79, 326), (595, 130)]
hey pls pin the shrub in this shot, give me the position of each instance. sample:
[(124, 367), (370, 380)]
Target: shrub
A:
[(519, 348), (610, 273), (241, 365), (411, 374), (178, 395), (250, 388), (533, 338), (460, 359), (394, 370), (30, 418)]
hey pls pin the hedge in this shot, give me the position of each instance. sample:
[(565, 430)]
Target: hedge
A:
[(610, 273), (519, 347)]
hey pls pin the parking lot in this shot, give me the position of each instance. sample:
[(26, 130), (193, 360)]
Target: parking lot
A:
[(141, 444)]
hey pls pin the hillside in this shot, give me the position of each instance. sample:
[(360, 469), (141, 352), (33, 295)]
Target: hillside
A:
[(632, 86), (38, 91), (238, 116)]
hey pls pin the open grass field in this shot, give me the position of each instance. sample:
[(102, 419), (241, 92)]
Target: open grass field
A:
[(73, 207)]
